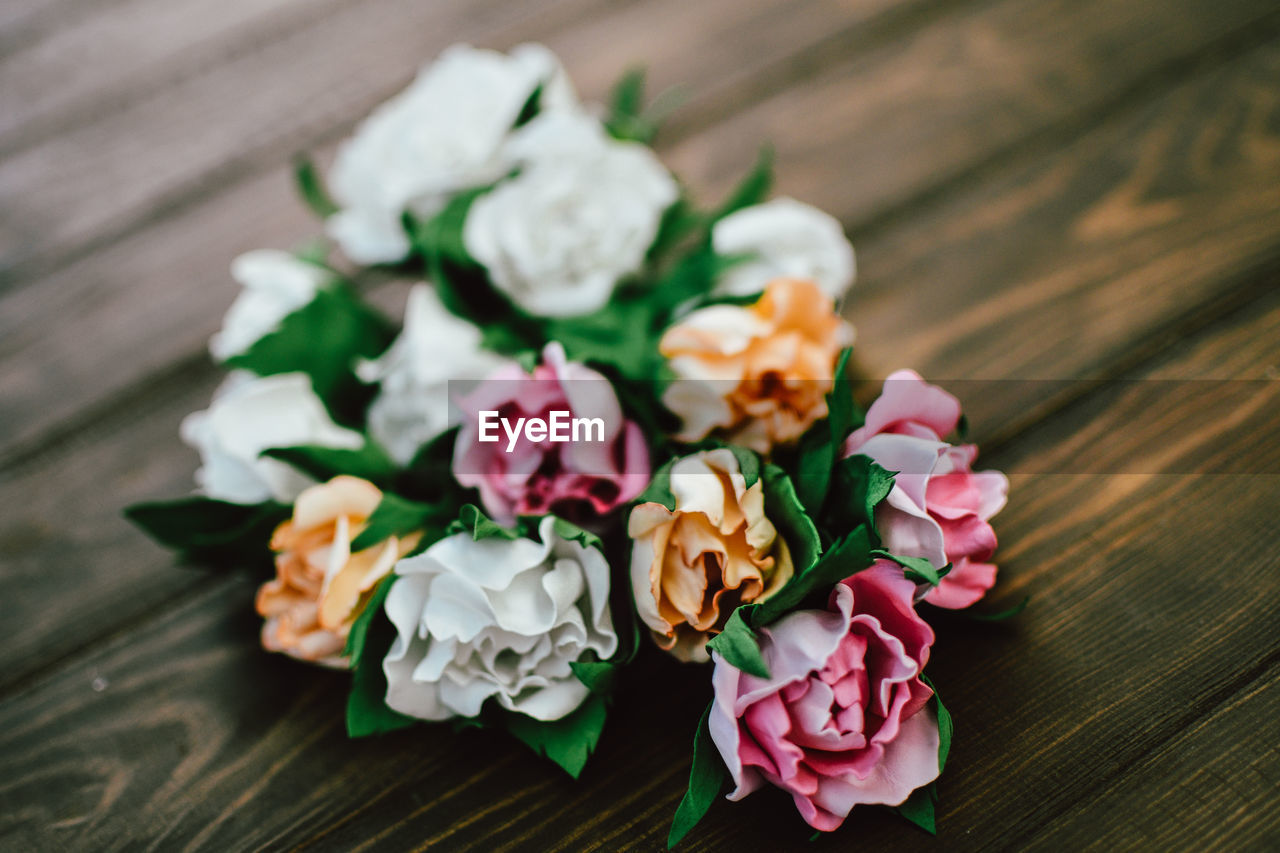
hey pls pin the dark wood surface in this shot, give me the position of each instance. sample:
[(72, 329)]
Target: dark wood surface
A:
[(1046, 195)]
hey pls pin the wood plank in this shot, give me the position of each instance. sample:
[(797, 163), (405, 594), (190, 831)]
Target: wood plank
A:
[(1136, 633), (90, 185), (1213, 786), (170, 279), (95, 64)]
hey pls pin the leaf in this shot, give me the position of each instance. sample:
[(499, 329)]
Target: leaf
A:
[(857, 488), (708, 779), (324, 463), (917, 569), (210, 531), (739, 646), (846, 557), (626, 100), (367, 644), (568, 741), (1001, 615), (621, 334), (659, 488), (573, 533), (784, 509), (945, 728), (532, 106), (843, 413), (919, 808), (748, 463), (311, 187), (598, 676), (753, 188), (397, 516), (323, 339), (472, 521)]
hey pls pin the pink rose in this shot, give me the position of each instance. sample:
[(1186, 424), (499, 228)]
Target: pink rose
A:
[(579, 480), (842, 719), (939, 507)]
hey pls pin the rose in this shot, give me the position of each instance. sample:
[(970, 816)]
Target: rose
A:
[(443, 134), (497, 618), (578, 479), (249, 415), (413, 375), (275, 284), (784, 238), (320, 585), (757, 374), (691, 566), (939, 506), (581, 214), (842, 719)]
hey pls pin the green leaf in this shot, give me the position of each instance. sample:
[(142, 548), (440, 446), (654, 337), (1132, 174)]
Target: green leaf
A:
[(397, 516), (622, 334), (367, 643), (598, 676), (659, 489), (324, 463), (708, 780), (754, 187), (573, 533), (323, 339), (472, 521), (532, 106), (846, 557), (627, 98), (843, 413), (748, 463), (210, 531), (998, 616), (568, 741), (919, 808), (917, 569), (945, 727), (857, 488), (311, 187), (822, 448), (788, 514), (739, 646)]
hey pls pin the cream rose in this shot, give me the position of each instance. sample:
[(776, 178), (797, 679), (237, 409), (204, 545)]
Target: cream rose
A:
[(321, 586), (274, 284), (249, 415), (581, 214), (786, 239), (443, 134), (413, 375), (496, 618), (756, 374), (693, 565)]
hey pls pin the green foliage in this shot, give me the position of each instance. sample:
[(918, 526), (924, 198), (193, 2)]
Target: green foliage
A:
[(784, 509), (752, 189), (324, 463), (916, 569), (568, 741), (921, 805), (532, 106), (1000, 615), (628, 118), (473, 522), (367, 644), (739, 645), (323, 339), (397, 516), (659, 488), (311, 188), (211, 532), (708, 781)]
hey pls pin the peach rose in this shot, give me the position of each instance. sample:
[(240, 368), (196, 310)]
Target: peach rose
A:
[(320, 586), (757, 374), (692, 566)]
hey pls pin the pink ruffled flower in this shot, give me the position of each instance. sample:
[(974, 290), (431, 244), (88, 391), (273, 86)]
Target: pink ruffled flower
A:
[(940, 507), (843, 718), (578, 480)]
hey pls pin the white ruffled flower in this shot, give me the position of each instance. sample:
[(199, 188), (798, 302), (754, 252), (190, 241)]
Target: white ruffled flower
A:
[(789, 239), (443, 134), (275, 284), (249, 415), (412, 406), (581, 214), (496, 618)]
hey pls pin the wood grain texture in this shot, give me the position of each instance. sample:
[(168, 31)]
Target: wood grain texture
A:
[(169, 282), (194, 739)]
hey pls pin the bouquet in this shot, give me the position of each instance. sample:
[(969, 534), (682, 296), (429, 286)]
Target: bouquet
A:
[(612, 422)]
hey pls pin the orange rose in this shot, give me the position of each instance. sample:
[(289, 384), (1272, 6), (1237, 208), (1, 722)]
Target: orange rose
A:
[(320, 586), (691, 566), (757, 375)]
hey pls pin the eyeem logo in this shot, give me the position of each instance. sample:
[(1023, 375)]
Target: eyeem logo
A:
[(560, 427)]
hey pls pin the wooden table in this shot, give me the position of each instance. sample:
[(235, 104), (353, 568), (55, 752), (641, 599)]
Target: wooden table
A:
[(1071, 190)]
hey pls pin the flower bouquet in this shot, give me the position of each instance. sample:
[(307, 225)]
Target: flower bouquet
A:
[(612, 420)]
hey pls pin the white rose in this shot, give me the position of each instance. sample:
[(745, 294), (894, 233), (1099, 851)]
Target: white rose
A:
[(496, 618), (412, 406), (788, 239), (249, 415), (582, 213), (441, 135), (275, 284)]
